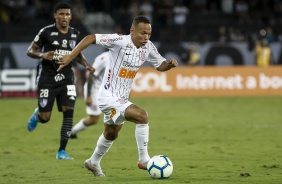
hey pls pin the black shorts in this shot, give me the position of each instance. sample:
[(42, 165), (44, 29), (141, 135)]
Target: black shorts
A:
[(65, 95)]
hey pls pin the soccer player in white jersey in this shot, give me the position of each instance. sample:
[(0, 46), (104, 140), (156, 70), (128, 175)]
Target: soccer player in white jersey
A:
[(91, 88), (127, 54)]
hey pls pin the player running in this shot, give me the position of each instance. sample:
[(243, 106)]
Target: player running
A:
[(127, 54), (51, 43)]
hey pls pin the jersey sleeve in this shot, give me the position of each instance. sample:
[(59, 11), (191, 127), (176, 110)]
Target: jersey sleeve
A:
[(40, 38), (109, 40), (154, 57), (79, 37)]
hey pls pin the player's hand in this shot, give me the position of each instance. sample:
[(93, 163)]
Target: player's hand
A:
[(173, 63), (88, 101), (64, 61), (91, 70), (48, 55)]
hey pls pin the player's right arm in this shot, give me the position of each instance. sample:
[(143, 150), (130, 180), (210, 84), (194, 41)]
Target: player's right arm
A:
[(34, 51)]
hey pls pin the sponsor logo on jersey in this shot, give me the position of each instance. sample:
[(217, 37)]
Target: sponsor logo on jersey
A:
[(72, 43), (55, 42), (59, 53), (110, 40), (65, 42), (107, 85), (127, 73), (130, 65), (54, 34), (59, 77), (73, 35)]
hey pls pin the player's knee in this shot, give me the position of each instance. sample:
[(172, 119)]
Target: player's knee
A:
[(68, 113), (66, 108), (111, 135), (142, 117), (92, 121), (43, 119)]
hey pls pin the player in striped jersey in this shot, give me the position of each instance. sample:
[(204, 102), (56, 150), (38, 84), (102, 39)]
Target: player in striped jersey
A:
[(127, 54)]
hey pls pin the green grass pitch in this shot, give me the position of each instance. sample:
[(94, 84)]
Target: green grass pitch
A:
[(216, 140)]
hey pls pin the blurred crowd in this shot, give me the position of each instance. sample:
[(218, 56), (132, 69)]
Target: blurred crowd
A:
[(172, 20)]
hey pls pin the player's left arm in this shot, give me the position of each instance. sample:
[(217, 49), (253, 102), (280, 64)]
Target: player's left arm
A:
[(167, 65)]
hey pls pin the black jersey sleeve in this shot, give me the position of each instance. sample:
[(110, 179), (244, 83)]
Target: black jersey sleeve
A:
[(79, 37), (40, 38)]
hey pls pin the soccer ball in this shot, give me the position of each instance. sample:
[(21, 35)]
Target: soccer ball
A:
[(160, 167)]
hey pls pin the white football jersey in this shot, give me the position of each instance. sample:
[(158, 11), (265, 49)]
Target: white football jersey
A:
[(125, 61)]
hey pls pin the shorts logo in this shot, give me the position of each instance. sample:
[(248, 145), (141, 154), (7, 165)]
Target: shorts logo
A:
[(113, 113), (71, 91), (72, 98), (43, 102)]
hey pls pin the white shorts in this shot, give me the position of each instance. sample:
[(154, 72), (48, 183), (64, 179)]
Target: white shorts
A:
[(94, 108), (112, 107)]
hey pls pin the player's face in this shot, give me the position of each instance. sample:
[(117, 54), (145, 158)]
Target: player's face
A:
[(63, 17), (140, 34)]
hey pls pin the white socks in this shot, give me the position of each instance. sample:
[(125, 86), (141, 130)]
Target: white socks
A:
[(78, 127), (142, 139), (103, 146)]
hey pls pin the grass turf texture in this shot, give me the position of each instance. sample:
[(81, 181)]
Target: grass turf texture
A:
[(209, 140)]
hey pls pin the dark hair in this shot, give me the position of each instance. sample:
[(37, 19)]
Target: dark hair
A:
[(62, 5), (140, 19)]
